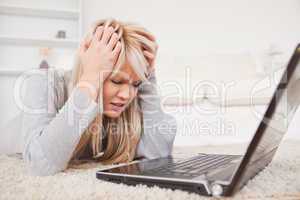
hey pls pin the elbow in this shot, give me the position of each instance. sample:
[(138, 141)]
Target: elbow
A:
[(38, 165), (160, 145), (170, 131), (168, 127), (41, 169)]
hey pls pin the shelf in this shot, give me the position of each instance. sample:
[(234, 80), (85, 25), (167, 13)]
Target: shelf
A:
[(38, 41), (15, 72), (11, 72), (38, 12)]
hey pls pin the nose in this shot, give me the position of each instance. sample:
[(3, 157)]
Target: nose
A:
[(124, 92)]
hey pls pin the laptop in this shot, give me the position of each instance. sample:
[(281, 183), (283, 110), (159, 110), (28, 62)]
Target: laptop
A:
[(215, 174)]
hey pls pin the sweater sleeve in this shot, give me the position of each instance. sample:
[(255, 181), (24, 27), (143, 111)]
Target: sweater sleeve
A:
[(51, 134), (159, 128)]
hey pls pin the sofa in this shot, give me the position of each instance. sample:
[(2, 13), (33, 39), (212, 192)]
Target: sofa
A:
[(220, 98)]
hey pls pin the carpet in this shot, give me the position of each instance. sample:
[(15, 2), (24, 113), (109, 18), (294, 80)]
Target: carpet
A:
[(280, 180)]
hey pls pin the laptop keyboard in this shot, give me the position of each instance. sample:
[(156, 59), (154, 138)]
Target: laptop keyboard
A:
[(194, 166)]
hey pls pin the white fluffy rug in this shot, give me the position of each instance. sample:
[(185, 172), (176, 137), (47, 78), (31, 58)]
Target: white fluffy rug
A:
[(280, 180)]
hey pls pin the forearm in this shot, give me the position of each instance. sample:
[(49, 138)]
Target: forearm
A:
[(159, 128), (90, 85), (51, 138)]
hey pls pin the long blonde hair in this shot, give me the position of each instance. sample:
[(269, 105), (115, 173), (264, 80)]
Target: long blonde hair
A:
[(124, 132)]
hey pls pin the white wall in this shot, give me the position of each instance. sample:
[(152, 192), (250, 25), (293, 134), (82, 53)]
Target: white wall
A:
[(186, 30), (212, 37), (15, 56), (215, 39), (27, 56)]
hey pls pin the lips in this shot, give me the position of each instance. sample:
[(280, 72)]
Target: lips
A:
[(117, 106)]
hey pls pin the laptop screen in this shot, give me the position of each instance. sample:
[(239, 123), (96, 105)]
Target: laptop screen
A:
[(275, 121), (281, 109)]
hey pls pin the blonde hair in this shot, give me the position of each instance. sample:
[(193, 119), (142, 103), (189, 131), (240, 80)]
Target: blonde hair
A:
[(124, 132)]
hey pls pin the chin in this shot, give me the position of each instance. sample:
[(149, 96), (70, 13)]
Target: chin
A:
[(112, 114)]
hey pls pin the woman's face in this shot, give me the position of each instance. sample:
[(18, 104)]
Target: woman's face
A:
[(119, 91)]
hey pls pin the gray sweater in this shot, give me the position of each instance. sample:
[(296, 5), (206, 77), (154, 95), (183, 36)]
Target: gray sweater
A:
[(53, 130)]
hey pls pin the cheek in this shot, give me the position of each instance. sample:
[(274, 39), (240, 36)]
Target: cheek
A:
[(109, 91)]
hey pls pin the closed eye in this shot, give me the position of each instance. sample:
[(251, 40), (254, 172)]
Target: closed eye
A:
[(116, 82)]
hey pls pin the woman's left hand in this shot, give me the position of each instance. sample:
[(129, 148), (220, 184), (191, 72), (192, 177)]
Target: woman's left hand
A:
[(151, 55)]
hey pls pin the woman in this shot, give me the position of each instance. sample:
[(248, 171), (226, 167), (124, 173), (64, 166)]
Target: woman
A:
[(106, 109)]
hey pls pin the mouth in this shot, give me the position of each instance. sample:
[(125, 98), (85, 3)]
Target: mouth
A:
[(117, 106)]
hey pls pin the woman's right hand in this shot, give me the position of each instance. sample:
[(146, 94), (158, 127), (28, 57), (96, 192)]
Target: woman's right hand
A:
[(99, 53)]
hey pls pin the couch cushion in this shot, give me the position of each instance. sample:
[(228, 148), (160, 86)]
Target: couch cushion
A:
[(255, 91), (193, 76)]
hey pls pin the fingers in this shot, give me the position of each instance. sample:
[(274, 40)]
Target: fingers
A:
[(149, 36), (84, 45), (147, 48), (156, 47), (98, 34), (113, 41), (149, 55), (117, 49), (153, 39), (88, 42), (107, 34)]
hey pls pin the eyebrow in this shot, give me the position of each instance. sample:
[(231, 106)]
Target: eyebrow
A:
[(125, 79), (120, 77), (137, 82)]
